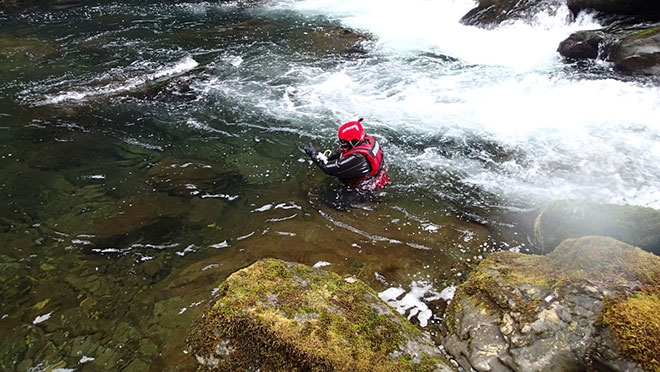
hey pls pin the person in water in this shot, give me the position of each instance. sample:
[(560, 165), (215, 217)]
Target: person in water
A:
[(358, 162)]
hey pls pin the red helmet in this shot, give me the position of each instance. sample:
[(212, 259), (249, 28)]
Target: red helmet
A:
[(351, 131)]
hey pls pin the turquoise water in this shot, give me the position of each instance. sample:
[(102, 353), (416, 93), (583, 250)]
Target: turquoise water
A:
[(150, 149)]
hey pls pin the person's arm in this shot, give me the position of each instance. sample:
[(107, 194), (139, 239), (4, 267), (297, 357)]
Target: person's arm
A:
[(352, 167), (335, 155)]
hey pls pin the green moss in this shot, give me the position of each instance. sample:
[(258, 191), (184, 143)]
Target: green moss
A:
[(635, 323), (643, 34), (589, 260), (292, 317), (599, 259), (594, 261), (493, 285)]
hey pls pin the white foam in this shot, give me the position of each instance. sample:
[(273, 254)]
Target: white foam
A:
[(448, 293), (95, 177), (222, 244), (321, 264), (188, 249), (195, 124), (220, 196), (135, 142), (85, 359), (153, 246), (422, 25), (412, 303), (41, 318), (263, 208), (184, 65), (594, 139)]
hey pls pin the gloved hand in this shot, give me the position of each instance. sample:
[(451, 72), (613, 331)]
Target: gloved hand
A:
[(310, 150)]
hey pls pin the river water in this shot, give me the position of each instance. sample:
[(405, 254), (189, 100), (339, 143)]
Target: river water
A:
[(149, 150)]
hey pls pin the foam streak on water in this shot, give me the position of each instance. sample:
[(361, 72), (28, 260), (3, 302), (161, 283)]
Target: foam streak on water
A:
[(565, 134), (184, 65)]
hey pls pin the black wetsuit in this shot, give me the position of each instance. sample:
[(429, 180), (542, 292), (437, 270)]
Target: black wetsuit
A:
[(352, 167)]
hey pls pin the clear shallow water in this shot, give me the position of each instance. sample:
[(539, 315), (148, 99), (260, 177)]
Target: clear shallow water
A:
[(149, 150)]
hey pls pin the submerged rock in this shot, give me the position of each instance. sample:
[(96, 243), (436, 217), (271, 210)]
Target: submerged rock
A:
[(19, 53), (281, 316), (572, 310), (560, 220), (333, 40), (321, 40)]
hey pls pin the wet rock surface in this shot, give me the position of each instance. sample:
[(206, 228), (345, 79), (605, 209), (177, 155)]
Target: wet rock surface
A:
[(565, 219), (631, 49), (276, 315), (553, 313), (490, 13), (640, 8), (585, 44)]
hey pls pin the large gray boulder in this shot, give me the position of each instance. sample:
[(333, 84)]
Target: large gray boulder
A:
[(590, 305), (281, 316), (560, 220)]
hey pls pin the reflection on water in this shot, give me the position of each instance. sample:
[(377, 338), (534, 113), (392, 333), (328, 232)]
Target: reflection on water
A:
[(147, 151)]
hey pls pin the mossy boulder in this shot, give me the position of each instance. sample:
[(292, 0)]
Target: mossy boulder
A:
[(560, 220), (281, 316), (590, 305)]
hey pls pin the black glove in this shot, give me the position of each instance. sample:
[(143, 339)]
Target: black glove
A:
[(310, 150)]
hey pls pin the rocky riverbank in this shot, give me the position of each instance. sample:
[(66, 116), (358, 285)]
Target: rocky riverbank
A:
[(560, 312), (590, 304)]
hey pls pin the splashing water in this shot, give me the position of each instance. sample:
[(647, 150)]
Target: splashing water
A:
[(572, 136)]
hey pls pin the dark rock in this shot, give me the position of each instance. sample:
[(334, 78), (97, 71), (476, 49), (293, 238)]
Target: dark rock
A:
[(565, 219), (640, 52), (280, 316), (582, 44), (643, 8), (631, 49), (490, 13), (559, 312)]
